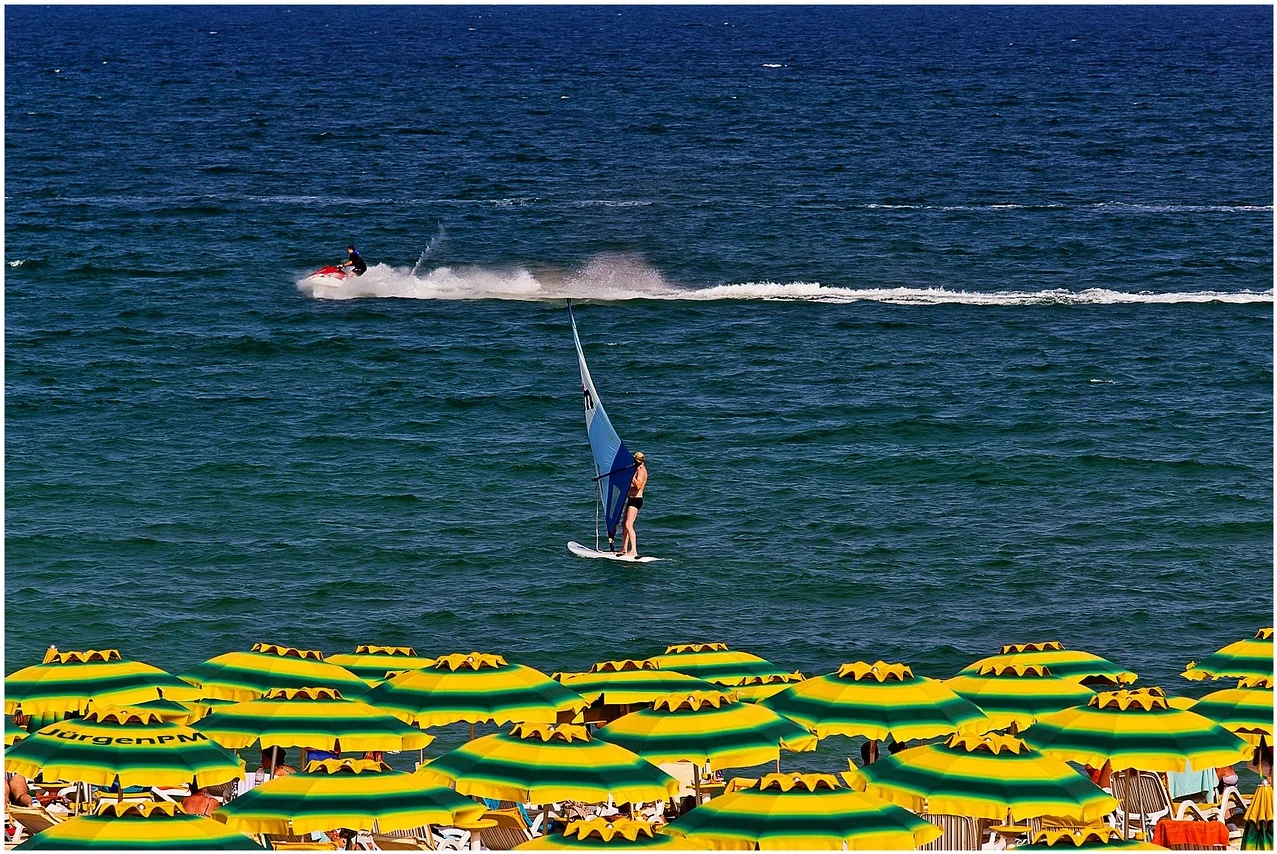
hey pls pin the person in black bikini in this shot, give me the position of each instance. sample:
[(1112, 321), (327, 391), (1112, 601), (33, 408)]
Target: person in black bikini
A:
[(633, 504)]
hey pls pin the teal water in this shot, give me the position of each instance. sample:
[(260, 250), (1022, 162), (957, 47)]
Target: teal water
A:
[(940, 328)]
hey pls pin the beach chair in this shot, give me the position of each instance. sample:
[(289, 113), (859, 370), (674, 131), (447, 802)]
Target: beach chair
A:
[(30, 820), (399, 843), (303, 842), (512, 829), (960, 833), (1142, 802), (434, 839)]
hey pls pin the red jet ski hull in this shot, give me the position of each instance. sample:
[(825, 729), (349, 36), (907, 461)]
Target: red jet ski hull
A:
[(335, 274)]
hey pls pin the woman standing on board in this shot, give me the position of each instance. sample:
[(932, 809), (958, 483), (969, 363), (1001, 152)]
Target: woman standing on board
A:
[(633, 504)]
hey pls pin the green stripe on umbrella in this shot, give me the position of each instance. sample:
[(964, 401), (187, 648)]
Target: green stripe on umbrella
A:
[(373, 663), (346, 793), (874, 700), (628, 681), (1015, 695), (1250, 657), (12, 732), (1071, 664), (65, 682), (1246, 710), (158, 826), (318, 718), (544, 763), (1135, 729), (249, 675), (134, 746), (598, 833), (989, 776), (708, 727), (803, 811), (474, 688), (715, 662)]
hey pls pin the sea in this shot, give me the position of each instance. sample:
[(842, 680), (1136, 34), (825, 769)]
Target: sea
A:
[(941, 328)]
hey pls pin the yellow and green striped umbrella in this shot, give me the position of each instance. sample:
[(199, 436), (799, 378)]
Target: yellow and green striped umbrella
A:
[(134, 746), (249, 675), (1135, 729), (174, 712), (65, 682), (1074, 665), (801, 811), (157, 826), (874, 700), (983, 776), (628, 681), (707, 727), (373, 663), (347, 793), (597, 833), (1249, 657), (318, 718), (715, 662), (12, 732), (1246, 710), (474, 688), (544, 763), (1091, 836), (1015, 695)]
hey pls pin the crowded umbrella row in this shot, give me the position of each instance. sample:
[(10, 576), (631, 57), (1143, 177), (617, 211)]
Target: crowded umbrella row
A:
[(111, 722)]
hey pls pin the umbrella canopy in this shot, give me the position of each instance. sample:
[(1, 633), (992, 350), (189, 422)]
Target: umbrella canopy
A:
[(1093, 836), (1074, 665), (1136, 729), (65, 682), (628, 681), (474, 688), (248, 675), (801, 811), (983, 776), (707, 727), (133, 745), (543, 763), (373, 664), (12, 732), (349, 793), (1249, 657), (1257, 834), (597, 833), (874, 700), (318, 718), (174, 712), (1246, 710), (714, 662), (1015, 695), (156, 826)]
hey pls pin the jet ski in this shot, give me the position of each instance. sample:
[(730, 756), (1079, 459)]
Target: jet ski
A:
[(328, 276)]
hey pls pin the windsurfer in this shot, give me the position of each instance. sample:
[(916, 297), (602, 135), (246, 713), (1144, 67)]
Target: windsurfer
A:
[(633, 504)]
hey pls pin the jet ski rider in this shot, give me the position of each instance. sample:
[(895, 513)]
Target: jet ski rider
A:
[(355, 261)]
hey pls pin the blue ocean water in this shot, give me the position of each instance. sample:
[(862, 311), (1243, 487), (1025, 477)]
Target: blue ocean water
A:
[(941, 328)]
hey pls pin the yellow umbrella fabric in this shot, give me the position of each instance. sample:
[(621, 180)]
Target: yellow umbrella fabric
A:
[(628, 681), (1017, 694), (1246, 710), (597, 833), (66, 682), (1064, 663), (1248, 657), (373, 664), (248, 675), (716, 662)]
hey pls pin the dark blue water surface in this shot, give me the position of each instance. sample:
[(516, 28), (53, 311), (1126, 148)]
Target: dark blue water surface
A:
[(941, 327)]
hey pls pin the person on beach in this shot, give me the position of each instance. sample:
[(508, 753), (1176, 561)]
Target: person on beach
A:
[(16, 790), (199, 802), (275, 758), (868, 752), (354, 261), (633, 504)]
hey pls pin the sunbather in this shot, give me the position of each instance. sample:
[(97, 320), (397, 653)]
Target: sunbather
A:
[(199, 802), (16, 790)]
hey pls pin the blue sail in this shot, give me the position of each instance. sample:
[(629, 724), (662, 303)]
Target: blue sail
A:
[(613, 464)]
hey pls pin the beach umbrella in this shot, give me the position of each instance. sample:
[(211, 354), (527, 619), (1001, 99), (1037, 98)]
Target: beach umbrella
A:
[(174, 712), (474, 688), (626, 682), (715, 662), (1257, 834), (874, 701), (1071, 664), (596, 833), (1250, 657), (544, 763), (317, 718), (12, 732), (1091, 836), (1015, 695), (373, 663), (155, 826), (983, 776), (801, 811), (1246, 710), (248, 675), (65, 682), (132, 746), (1135, 729), (345, 793), (707, 727)]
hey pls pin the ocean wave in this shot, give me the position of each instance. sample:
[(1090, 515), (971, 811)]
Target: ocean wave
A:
[(624, 278)]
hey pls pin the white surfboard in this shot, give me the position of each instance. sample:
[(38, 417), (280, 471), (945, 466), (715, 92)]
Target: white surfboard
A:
[(585, 551)]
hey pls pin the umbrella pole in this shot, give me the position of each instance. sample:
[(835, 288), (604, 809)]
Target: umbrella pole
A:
[(472, 732), (777, 763)]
